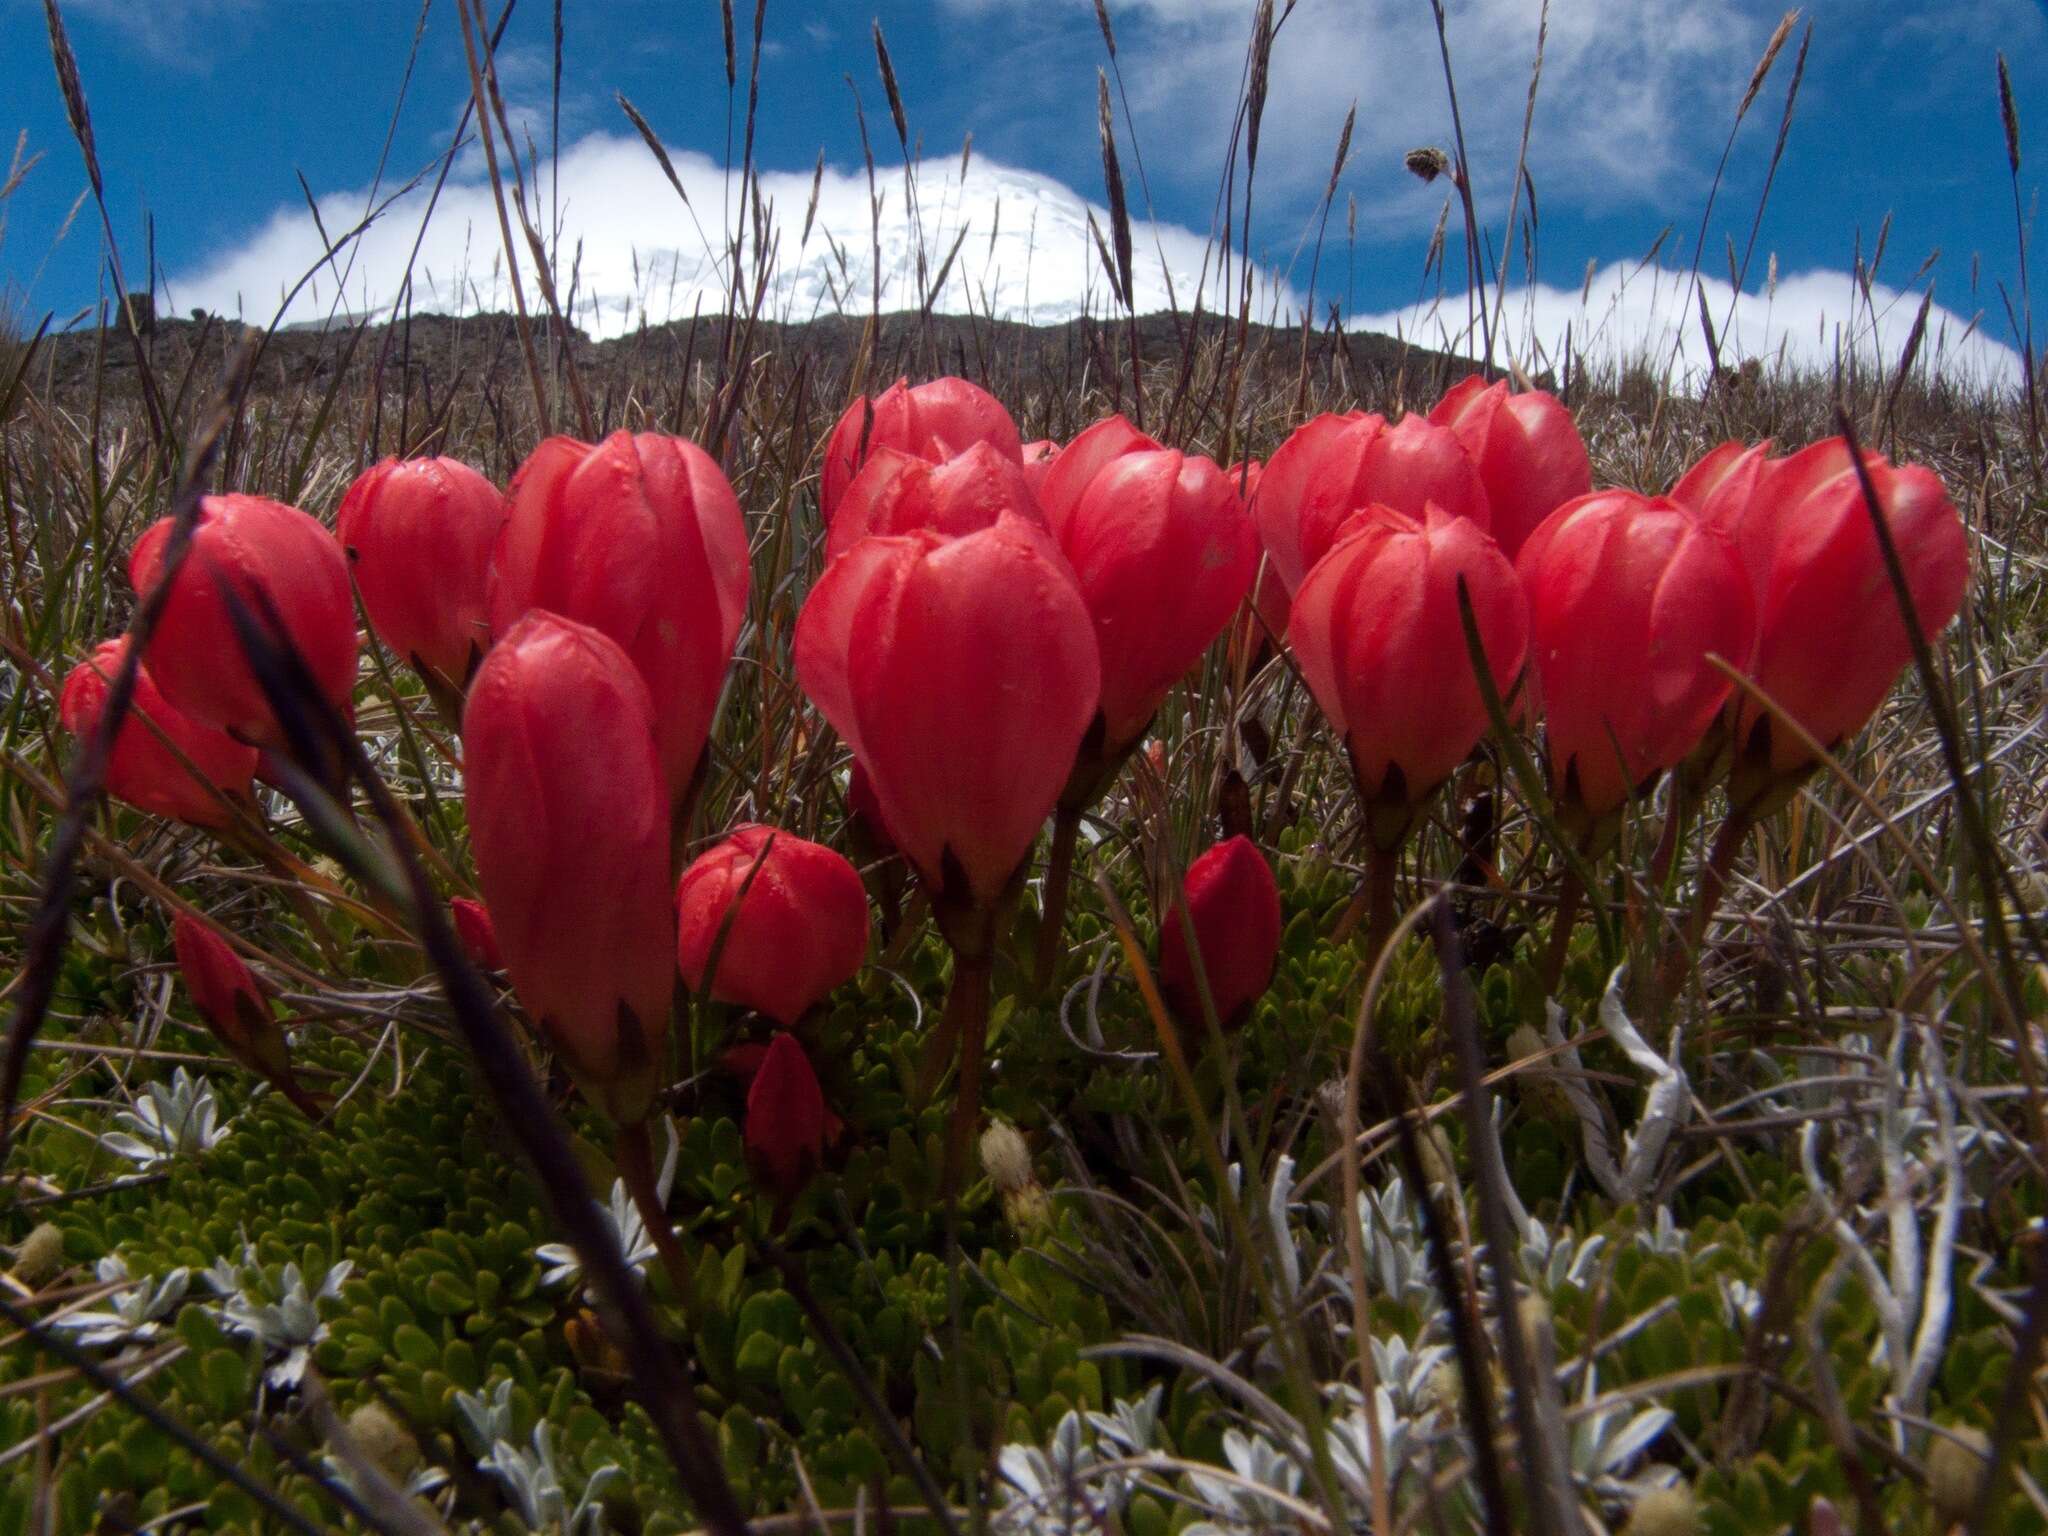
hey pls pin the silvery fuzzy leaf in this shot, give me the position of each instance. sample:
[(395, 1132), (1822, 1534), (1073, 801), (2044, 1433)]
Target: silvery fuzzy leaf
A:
[(180, 1118), (1131, 1426), (561, 1265), (1278, 1196), (129, 1315), (485, 1418)]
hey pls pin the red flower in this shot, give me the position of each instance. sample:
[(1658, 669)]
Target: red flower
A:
[(1377, 632), (1528, 451), (1718, 488), (143, 770), (785, 1130), (478, 934), (642, 539), (1264, 621), (569, 821), (226, 996), (1628, 595), (1234, 905), (935, 421), (1832, 639), (1163, 552), (896, 492), (419, 535), (270, 555), (1336, 465), (962, 673), (800, 930)]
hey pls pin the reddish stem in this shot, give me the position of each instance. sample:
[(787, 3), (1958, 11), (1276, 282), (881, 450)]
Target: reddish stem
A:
[(1059, 873), (1571, 892), (1728, 843), (967, 1005), (633, 1151), (1380, 871), (1673, 832)]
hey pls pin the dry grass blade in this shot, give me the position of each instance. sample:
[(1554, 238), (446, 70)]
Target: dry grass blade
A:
[(73, 92), (1354, 1192), (660, 151), (2008, 116), (890, 89), (1113, 184), (2009, 119), (480, 99), (1763, 65), (1756, 82), (1533, 1401), (2014, 1398), (80, 118), (1907, 355), (1461, 1312), (864, 1387)]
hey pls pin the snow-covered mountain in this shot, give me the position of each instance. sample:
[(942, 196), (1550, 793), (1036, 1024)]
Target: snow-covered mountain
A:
[(990, 239), (631, 249)]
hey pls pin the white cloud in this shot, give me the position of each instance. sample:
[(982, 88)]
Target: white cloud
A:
[(178, 33), (1628, 87), (1025, 253), (1626, 312)]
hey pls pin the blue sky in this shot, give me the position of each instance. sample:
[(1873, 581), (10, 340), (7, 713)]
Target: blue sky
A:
[(207, 111)]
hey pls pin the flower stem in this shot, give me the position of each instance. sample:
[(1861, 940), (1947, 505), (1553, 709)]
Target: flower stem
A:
[(1571, 891), (967, 1006), (633, 1152), (1728, 843), (1676, 814), (1374, 903), (1059, 873), (1380, 869)]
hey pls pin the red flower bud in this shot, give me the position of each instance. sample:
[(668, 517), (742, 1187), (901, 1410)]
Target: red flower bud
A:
[(1832, 639), (143, 770), (785, 1131), (1336, 465), (226, 995), (898, 493), (1234, 905), (1093, 451), (1038, 458), (800, 930), (963, 674), (223, 989), (419, 535), (641, 538), (478, 934), (1628, 595), (1163, 552), (1527, 449), (1377, 631), (935, 421), (569, 822), (1718, 488), (268, 554)]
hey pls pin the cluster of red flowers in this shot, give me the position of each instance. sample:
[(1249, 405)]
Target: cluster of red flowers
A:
[(994, 629)]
